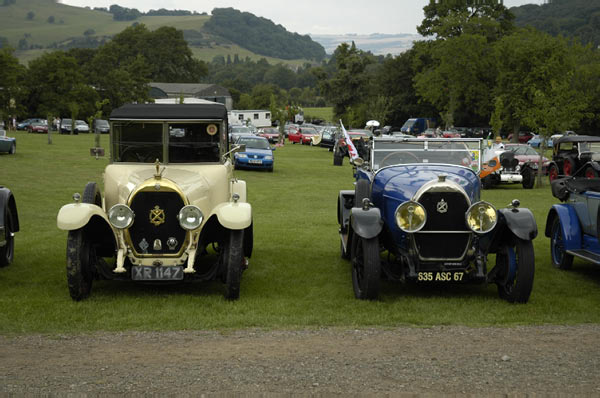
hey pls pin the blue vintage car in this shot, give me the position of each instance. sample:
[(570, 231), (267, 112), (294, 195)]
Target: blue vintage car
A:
[(416, 215), (572, 226), (7, 144), (258, 153), (9, 224)]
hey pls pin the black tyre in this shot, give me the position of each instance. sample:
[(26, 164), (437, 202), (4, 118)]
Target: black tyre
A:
[(91, 194), (7, 252), (344, 253), (366, 267), (515, 286), (233, 259), (528, 178), (487, 182), (81, 259), (338, 159), (13, 149), (560, 258)]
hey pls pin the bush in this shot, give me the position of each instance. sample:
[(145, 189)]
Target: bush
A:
[(30, 15)]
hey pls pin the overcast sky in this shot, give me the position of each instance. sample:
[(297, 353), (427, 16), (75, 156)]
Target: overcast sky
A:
[(307, 16)]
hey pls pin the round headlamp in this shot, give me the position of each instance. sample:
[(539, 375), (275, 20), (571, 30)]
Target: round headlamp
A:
[(481, 217), (410, 216), (190, 217), (120, 216)]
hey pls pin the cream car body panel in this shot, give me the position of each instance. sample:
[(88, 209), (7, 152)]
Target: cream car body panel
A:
[(77, 215)]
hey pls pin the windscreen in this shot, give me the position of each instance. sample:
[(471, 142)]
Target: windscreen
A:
[(137, 142), (409, 151), (194, 142)]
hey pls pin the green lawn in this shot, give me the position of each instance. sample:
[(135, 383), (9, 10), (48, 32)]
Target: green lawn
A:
[(324, 113), (296, 277)]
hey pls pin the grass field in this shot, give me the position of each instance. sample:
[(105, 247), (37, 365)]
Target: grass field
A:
[(296, 277), (324, 113)]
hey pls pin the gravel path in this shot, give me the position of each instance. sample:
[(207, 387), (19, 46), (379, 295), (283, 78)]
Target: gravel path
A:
[(448, 360)]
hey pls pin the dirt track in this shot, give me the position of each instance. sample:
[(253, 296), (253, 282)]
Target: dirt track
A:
[(548, 359)]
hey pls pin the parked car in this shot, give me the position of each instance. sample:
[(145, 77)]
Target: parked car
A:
[(328, 137), (9, 225), (23, 125), (237, 131), (416, 126), (524, 136), (270, 133), (536, 141), (575, 155), (81, 126), (66, 125), (37, 127), (101, 126), (527, 156), (169, 201), (302, 135), (572, 226), (412, 195), (7, 144), (502, 165), (451, 133), (258, 154)]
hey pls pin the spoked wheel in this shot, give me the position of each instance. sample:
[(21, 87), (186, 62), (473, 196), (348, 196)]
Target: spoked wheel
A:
[(366, 267), (517, 266), (81, 259), (560, 258), (7, 252), (568, 167), (233, 260), (553, 173), (590, 172)]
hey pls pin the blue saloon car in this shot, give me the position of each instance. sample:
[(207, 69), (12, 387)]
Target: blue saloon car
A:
[(416, 215), (572, 226), (7, 144), (258, 153)]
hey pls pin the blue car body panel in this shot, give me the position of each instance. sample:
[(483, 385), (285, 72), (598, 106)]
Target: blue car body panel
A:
[(570, 226), (253, 157)]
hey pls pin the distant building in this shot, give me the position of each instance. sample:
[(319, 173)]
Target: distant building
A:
[(258, 118), (209, 92)]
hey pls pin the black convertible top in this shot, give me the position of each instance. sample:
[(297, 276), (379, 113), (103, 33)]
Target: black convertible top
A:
[(577, 138), (563, 186), (170, 112)]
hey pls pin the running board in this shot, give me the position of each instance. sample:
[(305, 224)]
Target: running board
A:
[(586, 255)]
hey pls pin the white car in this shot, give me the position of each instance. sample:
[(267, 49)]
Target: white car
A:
[(81, 126)]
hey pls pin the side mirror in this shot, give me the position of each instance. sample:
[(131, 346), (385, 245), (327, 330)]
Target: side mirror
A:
[(239, 148)]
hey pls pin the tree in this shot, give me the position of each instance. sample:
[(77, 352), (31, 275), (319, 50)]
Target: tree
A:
[(445, 19), (12, 74)]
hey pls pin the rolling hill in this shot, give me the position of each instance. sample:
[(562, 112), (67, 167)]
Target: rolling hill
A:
[(34, 26)]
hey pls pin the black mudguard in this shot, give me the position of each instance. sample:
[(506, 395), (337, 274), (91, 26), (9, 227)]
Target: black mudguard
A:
[(7, 200), (366, 223), (520, 222)]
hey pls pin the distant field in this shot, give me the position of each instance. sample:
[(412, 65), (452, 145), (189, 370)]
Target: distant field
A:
[(325, 113), (207, 54), (296, 277)]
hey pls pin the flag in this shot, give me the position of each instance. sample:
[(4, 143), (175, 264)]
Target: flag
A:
[(351, 148)]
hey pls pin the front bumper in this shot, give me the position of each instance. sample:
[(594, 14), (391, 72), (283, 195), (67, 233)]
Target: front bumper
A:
[(254, 163), (511, 177)]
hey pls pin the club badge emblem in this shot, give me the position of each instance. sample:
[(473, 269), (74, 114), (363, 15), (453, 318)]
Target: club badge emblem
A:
[(157, 216), (442, 206)]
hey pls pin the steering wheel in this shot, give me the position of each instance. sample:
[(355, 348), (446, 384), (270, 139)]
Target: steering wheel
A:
[(404, 157), (132, 155)]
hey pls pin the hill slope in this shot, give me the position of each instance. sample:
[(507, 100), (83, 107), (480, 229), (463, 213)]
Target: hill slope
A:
[(33, 25), (570, 18)]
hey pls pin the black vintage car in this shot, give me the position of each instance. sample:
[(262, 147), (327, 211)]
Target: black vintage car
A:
[(9, 224), (575, 155)]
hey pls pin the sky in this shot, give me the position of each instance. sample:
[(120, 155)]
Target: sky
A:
[(307, 16)]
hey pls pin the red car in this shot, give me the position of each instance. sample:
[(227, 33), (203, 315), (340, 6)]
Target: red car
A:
[(302, 135), (524, 136), (37, 127), (526, 154), (270, 133)]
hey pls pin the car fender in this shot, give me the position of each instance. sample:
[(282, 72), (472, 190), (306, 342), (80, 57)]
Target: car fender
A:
[(521, 222), (239, 187), (234, 215), (7, 200), (366, 223), (569, 225), (77, 215)]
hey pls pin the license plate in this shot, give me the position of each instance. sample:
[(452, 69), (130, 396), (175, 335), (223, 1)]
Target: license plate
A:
[(146, 273), (441, 276), (255, 161)]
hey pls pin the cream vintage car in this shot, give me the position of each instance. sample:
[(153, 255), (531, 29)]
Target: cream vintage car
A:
[(172, 209)]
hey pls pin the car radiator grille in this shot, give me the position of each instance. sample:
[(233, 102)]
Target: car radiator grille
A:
[(146, 235), (445, 216)]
